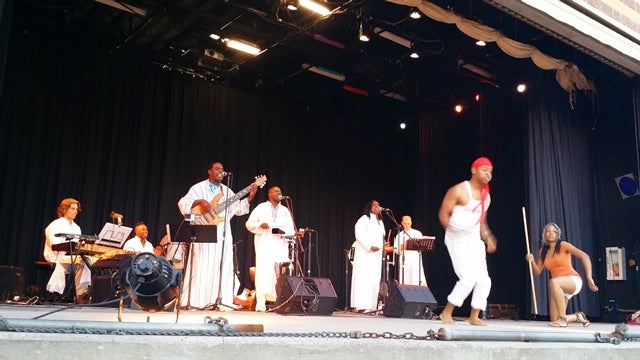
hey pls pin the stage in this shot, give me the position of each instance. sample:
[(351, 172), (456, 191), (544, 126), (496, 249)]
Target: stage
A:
[(95, 333)]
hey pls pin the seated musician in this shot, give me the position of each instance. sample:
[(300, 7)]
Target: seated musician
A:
[(139, 243), (64, 224)]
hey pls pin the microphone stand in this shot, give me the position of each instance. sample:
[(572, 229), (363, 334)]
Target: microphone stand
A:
[(298, 241), (218, 303)]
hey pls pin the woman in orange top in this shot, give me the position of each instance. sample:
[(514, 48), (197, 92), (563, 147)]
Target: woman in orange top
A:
[(565, 282)]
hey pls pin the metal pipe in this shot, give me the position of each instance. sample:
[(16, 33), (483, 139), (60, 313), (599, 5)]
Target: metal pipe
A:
[(121, 328), (524, 336)]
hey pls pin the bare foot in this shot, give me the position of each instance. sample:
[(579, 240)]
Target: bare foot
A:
[(446, 318), (477, 322)]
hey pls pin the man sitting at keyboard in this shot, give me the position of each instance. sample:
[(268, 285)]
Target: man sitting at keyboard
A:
[(65, 228)]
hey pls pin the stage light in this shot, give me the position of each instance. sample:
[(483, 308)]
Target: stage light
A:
[(459, 108), (324, 71), (243, 46), (481, 43), (362, 35), (392, 37), (477, 98), (315, 7), (215, 36), (151, 281), (521, 88), (403, 125), (414, 55), (415, 14)]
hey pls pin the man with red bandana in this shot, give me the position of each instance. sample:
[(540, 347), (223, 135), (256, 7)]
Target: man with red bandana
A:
[(468, 239)]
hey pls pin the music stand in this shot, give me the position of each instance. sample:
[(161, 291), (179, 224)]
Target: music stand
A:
[(188, 233), (423, 244)]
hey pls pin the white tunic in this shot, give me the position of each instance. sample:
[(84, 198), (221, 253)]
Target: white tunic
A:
[(271, 249), (135, 245), (200, 286), (63, 262), (468, 253), (410, 268), (367, 264)]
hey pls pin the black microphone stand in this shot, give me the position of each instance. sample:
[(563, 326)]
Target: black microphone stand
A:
[(218, 303)]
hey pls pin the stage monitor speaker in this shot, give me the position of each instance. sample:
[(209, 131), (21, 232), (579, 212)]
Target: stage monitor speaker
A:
[(106, 280), (11, 282), (409, 301), (305, 295)]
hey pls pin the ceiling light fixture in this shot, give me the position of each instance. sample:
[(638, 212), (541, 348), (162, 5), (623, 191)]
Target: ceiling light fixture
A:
[(476, 69), (315, 7), (124, 7), (362, 35), (243, 46), (393, 95), (356, 90), (328, 41), (392, 37), (324, 71)]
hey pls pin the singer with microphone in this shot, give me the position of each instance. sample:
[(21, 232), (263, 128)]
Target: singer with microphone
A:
[(200, 286), (367, 269), (67, 211), (272, 226)]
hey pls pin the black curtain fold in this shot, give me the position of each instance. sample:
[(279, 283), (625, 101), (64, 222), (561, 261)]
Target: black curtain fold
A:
[(560, 185)]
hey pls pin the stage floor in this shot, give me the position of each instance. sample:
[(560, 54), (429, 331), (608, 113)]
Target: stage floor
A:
[(343, 334)]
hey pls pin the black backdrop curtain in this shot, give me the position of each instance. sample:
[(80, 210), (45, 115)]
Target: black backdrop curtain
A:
[(122, 136), (6, 9), (560, 183)]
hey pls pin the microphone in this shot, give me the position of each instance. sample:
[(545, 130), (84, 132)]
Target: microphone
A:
[(114, 214), (284, 197), (384, 209), (225, 174)]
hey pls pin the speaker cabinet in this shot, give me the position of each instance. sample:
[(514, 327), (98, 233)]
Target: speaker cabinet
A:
[(11, 282), (305, 295), (409, 301), (106, 280)]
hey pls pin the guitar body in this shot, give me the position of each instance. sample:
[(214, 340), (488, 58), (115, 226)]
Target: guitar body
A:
[(211, 217)]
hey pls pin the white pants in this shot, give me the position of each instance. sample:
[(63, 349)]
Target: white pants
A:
[(469, 260), (82, 272)]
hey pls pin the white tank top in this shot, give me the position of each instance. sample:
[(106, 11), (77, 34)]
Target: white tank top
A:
[(466, 218)]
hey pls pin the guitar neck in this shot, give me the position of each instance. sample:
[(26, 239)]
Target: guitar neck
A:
[(237, 196)]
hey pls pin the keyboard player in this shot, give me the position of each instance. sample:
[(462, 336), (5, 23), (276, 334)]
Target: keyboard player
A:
[(67, 211)]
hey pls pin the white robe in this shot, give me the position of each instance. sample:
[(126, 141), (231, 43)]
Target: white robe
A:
[(271, 249), (468, 253), (410, 268), (135, 245), (200, 286), (63, 262), (367, 264)]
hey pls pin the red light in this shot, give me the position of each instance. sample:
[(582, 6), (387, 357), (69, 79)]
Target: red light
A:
[(477, 97), (458, 108)]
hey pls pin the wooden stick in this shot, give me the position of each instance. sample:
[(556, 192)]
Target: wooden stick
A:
[(533, 286)]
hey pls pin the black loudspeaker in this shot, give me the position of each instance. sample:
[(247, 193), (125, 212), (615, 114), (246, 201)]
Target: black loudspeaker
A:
[(11, 282), (409, 301), (305, 295), (106, 280)]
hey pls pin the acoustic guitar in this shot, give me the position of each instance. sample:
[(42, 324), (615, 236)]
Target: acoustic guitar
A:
[(212, 217)]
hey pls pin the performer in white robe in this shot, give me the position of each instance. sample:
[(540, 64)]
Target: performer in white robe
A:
[(67, 211), (270, 222), (410, 268), (200, 286), (367, 259), (468, 239)]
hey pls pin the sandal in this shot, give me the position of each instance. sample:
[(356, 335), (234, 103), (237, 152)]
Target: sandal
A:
[(582, 318), (561, 322)]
